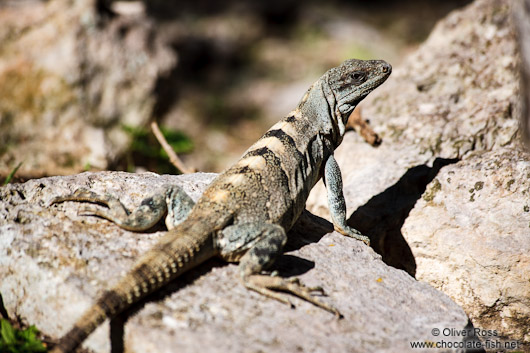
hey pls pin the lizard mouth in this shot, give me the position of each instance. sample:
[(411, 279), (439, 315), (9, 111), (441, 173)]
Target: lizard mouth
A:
[(347, 103)]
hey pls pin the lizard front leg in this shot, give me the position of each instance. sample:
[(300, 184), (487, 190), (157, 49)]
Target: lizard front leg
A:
[(336, 202), (172, 201), (261, 244)]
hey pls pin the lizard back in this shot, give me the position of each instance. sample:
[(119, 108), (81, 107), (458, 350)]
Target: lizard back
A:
[(273, 178)]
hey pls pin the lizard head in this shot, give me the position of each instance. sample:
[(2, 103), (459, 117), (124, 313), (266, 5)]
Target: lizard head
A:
[(330, 100), (353, 80)]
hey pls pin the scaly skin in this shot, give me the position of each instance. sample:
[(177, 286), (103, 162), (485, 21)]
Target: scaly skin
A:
[(245, 214)]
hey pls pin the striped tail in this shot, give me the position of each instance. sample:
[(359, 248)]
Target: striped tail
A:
[(178, 251)]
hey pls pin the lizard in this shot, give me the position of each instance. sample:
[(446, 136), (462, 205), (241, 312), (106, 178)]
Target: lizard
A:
[(245, 213)]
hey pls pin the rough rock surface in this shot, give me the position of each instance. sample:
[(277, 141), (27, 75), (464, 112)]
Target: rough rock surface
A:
[(470, 236), (54, 262), (71, 78), (455, 98)]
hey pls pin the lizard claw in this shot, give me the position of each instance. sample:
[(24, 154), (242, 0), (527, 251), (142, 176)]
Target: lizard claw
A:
[(295, 281), (269, 286), (318, 289)]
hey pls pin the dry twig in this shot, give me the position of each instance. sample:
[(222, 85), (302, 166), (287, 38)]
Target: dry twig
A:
[(173, 158), (357, 123)]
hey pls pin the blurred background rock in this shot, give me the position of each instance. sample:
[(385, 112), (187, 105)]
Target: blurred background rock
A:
[(80, 80)]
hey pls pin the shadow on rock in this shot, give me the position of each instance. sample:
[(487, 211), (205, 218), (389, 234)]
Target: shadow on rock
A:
[(117, 324), (382, 217), (308, 229)]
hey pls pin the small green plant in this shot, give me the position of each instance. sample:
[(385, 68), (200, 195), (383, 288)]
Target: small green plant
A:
[(144, 141), (19, 341), (12, 174), (146, 150)]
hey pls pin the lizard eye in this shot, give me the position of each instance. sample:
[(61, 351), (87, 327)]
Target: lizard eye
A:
[(358, 77)]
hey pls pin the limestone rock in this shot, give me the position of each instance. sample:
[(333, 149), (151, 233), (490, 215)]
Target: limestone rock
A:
[(455, 99), (470, 236), (72, 76), (54, 262)]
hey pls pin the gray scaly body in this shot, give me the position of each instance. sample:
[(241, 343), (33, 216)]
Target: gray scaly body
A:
[(244, 215)]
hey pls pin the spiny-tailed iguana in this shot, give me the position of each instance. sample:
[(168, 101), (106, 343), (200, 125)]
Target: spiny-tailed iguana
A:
[(245, 213)]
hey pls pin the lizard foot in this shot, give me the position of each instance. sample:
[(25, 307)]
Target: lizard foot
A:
[(269, 285), (353, 233)]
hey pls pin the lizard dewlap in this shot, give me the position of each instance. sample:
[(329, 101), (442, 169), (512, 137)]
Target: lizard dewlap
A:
[(245, 213)]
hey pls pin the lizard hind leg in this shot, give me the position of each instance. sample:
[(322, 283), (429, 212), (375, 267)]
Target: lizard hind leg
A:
[(265, 243)]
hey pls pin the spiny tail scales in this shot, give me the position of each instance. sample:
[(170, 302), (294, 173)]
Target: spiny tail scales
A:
[(183, 248)]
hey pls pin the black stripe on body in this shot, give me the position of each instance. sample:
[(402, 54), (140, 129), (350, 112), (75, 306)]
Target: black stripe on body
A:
[(274, 166), (301, 166), (271, 159), (293, 172), (299, 177), (242, 170), (290, 145), (281, 135), (290, 119)]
